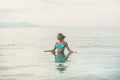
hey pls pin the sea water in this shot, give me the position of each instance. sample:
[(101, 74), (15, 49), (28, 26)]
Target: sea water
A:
[(97, 57)]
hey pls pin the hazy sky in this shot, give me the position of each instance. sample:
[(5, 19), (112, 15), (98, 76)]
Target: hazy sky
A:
[(62, 12)]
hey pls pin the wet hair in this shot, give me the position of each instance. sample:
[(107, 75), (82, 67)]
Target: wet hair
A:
[(61, 35)]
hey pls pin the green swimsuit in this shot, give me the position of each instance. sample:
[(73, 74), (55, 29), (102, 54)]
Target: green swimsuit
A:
[(61, 56), (62, 46)]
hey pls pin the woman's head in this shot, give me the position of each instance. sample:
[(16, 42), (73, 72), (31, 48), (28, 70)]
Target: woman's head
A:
[(60, 36)]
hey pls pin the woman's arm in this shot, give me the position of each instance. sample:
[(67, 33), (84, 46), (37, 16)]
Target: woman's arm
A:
[(68, 48), (52, 50)]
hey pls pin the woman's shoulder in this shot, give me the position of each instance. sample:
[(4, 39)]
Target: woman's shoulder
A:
[(65, 42), (56, 42)]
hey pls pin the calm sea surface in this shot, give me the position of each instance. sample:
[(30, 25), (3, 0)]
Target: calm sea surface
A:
[(97, 57)]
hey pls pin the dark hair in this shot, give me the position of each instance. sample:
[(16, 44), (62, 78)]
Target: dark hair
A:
[(61, 35)]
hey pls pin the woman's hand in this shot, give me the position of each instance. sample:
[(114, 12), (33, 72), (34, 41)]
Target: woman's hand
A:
[(49, 51), (72, 51), (45, 51)]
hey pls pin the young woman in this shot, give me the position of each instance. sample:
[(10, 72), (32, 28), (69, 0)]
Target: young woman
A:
[(60, 46)]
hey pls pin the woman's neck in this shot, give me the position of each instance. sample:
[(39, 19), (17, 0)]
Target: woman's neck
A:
[(60, 40)]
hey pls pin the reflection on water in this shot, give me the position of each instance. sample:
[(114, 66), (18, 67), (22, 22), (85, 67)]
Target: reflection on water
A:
[(61, 67), (22, 56)]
